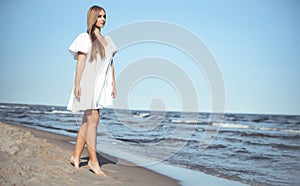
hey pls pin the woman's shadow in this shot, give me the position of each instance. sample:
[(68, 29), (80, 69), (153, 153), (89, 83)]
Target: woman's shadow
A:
[(102, 158)]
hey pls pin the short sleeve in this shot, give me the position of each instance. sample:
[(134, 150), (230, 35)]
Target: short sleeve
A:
[(81, 44)]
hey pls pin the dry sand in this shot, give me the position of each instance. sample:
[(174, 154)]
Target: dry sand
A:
[(33, 157)]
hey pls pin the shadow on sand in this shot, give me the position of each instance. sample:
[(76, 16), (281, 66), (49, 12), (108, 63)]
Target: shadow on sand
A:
[(102, 158)]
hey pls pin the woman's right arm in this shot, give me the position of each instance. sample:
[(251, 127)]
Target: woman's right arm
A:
[(79, 69)]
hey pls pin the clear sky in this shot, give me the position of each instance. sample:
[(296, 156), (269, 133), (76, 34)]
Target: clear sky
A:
[(256, 44)]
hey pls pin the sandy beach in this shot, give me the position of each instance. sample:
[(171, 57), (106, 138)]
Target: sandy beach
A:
[(32, 157)]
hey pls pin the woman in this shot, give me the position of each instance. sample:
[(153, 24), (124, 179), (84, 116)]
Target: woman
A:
[(94, 84)]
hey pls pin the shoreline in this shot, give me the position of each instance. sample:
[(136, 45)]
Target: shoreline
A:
[(21, 144), (120, 171)]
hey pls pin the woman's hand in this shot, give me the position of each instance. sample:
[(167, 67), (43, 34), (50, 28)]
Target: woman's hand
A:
[(77, 91), (114, 92)]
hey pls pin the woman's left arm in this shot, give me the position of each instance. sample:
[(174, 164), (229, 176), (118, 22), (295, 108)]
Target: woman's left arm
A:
[(114, 92)]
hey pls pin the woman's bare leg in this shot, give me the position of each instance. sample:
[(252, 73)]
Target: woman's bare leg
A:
[(91, 140), (80, 142), (91, 134)]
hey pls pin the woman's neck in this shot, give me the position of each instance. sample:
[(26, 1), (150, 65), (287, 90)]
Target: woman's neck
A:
[(97, 32)]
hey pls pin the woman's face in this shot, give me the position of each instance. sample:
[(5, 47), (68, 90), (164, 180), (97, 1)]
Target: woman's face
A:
[(101, 19)]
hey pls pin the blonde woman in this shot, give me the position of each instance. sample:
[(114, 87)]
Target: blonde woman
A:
[(94, 84)]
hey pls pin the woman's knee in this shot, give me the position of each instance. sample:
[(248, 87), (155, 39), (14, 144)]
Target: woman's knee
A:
[(83, 127), (93, 125), (93, 119)]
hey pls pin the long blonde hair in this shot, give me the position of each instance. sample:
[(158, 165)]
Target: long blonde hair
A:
[(91, 24)]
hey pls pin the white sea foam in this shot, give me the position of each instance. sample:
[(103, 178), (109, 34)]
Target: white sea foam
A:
[(244, 126), (21, 107), (7, 110), (292, 131), (4, 106), (141, 115), (58, 112), (35, 112), (231, 125), (184, 121)]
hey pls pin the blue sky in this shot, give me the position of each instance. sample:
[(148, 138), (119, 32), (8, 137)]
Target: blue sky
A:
[(256, 44)]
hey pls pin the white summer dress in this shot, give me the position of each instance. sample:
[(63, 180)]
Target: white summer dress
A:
[(96, 78)]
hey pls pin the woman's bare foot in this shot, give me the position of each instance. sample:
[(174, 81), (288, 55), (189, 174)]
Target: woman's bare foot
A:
[(96, 168), (74, 162)]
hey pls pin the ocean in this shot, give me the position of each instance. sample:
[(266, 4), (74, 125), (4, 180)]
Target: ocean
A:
[(255, 149)]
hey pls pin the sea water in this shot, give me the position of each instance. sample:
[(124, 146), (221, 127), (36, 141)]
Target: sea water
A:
[(255, 149)]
